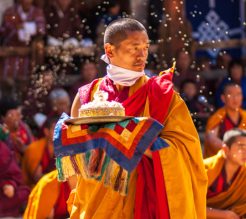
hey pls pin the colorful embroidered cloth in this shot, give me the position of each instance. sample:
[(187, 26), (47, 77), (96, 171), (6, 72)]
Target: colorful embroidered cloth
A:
[(116, 148)]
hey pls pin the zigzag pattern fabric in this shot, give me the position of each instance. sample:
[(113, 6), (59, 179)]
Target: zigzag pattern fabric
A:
[(108, 151)]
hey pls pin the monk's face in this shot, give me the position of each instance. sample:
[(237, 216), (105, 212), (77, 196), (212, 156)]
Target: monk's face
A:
[(61, 105), (237, 151), (232, 97), (236, 73), (12, 119), (130, 53)]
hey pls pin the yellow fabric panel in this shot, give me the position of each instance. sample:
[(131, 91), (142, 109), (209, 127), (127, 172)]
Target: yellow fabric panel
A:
[(183, 169), (214, 121), (43, 197), (138, 84), (235, 197), (100, 202)]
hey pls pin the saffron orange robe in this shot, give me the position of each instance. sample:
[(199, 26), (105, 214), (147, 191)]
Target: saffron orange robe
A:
[(234, 198), (44, 197), (32, 159), (182, 167), (215, 121)]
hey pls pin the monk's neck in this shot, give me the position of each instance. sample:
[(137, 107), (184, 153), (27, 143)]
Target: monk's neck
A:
[(233, 114), (230, 168), (119, 87)]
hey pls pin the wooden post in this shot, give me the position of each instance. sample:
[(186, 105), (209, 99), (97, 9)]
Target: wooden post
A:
[(175, 31)]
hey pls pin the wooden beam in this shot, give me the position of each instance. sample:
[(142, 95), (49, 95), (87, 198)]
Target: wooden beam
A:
[(14, 51), (225, 44)]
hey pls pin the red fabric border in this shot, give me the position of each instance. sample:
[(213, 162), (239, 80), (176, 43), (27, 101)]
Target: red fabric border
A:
[(114, 141)]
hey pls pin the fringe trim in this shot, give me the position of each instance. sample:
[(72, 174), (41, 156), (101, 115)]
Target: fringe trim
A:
[(94, 164)]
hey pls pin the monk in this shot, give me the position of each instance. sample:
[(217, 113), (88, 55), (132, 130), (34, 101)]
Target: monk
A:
[(226, 197), (228, 117), (39, 156), (48, 198), (13, 192), (19, 134), (169, 183)]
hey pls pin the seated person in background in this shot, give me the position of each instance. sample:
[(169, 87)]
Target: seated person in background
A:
[(59, 101), (13, 192), (19, 133), (226, 197), (228, 117), (48, 198), (39, 156), (88, 72), (197, 104), (63, 22), (21, 23), (236, 75), (185, 71)]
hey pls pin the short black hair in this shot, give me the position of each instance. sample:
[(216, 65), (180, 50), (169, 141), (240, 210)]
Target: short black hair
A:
[(7, 104), (117, 30), (230, 136), (230, 84)]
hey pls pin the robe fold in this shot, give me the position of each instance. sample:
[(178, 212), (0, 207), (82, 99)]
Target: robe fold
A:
[(37, 154), (234, 198), (47, 196)]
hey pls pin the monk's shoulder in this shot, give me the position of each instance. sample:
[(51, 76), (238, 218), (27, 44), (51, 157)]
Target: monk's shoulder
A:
[(36, 144)]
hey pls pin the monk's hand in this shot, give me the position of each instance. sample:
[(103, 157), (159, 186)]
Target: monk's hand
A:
[(231, 215), (8, 190)]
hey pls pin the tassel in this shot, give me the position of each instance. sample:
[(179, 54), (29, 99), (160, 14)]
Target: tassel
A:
[(67, 167), (59, 168)]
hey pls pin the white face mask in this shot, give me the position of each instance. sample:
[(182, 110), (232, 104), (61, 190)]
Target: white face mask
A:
[(120, 75)]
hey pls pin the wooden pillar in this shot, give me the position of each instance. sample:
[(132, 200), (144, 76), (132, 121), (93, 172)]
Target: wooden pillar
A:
[(175, 31), (139, 10)]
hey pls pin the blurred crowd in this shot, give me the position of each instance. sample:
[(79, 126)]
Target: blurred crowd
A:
[(33, 97)]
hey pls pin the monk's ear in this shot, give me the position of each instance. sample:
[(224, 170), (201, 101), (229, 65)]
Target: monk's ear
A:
[(222, 97), (108, 48), (225, 149)]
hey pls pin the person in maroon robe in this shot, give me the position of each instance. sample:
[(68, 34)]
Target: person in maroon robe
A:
[(19, 133), (63, 20), (13, 193), (21, 23)]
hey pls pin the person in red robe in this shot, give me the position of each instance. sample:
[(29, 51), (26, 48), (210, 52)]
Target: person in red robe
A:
[(21, 23), (13, 192), (19, 134)]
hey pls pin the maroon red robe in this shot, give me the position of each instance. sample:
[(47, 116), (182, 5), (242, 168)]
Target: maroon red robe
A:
[(10, 173), (19, 66)]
